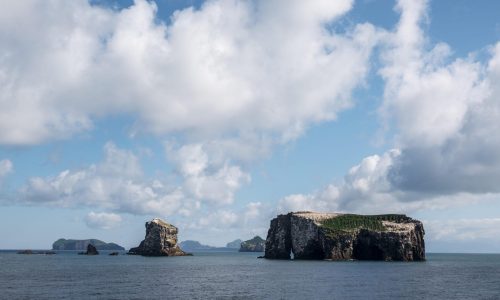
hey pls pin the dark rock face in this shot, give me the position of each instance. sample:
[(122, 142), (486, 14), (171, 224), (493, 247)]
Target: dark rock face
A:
[(340, 237), (279, 241), (160, 240), (91, 250), (257, 244)]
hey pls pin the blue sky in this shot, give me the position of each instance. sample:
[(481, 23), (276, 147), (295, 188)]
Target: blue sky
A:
[(218, 115)]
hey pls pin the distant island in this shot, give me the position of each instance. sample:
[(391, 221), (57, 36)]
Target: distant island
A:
[(336, 236), (257, 244), (195, 246), (236, 244), (71, 244), (190, 246)]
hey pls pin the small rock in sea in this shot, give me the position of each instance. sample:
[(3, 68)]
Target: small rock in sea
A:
[(114, 253), (91, 250)]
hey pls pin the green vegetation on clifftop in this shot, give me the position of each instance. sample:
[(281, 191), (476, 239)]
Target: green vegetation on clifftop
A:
[(350, 222)]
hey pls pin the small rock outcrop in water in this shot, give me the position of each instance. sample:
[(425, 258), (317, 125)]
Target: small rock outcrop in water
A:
[(257, 244), (160, 240), (335, 236), (91, 250)]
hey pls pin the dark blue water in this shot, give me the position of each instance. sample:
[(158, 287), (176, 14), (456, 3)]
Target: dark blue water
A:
[(233, 275)]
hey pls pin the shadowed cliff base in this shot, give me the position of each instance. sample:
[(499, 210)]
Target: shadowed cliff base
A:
[(333, 236)]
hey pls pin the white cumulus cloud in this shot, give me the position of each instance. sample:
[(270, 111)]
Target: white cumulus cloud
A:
[(464, 229), (231, 79), (116, 184), (446, 114), (102, 220), (6, 167), (241, 68)]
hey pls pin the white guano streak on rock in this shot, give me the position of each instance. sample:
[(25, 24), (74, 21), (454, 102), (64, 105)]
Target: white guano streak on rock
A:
[(316, 217), (398, 227)]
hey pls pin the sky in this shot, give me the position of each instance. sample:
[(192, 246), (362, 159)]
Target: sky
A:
[(218, 115)]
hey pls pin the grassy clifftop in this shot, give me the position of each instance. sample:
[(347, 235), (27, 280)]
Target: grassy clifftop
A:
[(350, 222)]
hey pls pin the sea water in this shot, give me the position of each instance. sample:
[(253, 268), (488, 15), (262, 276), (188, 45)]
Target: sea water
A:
[(233, 275)]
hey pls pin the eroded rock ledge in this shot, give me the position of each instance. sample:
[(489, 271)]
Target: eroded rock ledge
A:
[(309, 235)]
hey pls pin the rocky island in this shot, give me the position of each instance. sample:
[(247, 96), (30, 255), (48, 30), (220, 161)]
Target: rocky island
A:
[(334, 236), (257, 244), (160, 240), (195, 246), (70, 244)]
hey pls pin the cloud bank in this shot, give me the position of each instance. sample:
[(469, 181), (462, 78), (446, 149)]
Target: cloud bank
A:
[(445, 114), (264, 68), (222, 84)]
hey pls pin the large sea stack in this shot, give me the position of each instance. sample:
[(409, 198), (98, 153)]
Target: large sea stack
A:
[(333, 236), (160, 240)]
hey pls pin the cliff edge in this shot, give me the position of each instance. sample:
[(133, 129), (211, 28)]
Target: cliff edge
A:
[(309, 235)]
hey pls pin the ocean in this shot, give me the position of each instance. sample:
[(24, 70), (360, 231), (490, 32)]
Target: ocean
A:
[(233, 275)]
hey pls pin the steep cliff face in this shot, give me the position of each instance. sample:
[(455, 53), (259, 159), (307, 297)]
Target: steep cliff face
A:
[(333, 236), (279, 241), (160, 240)]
